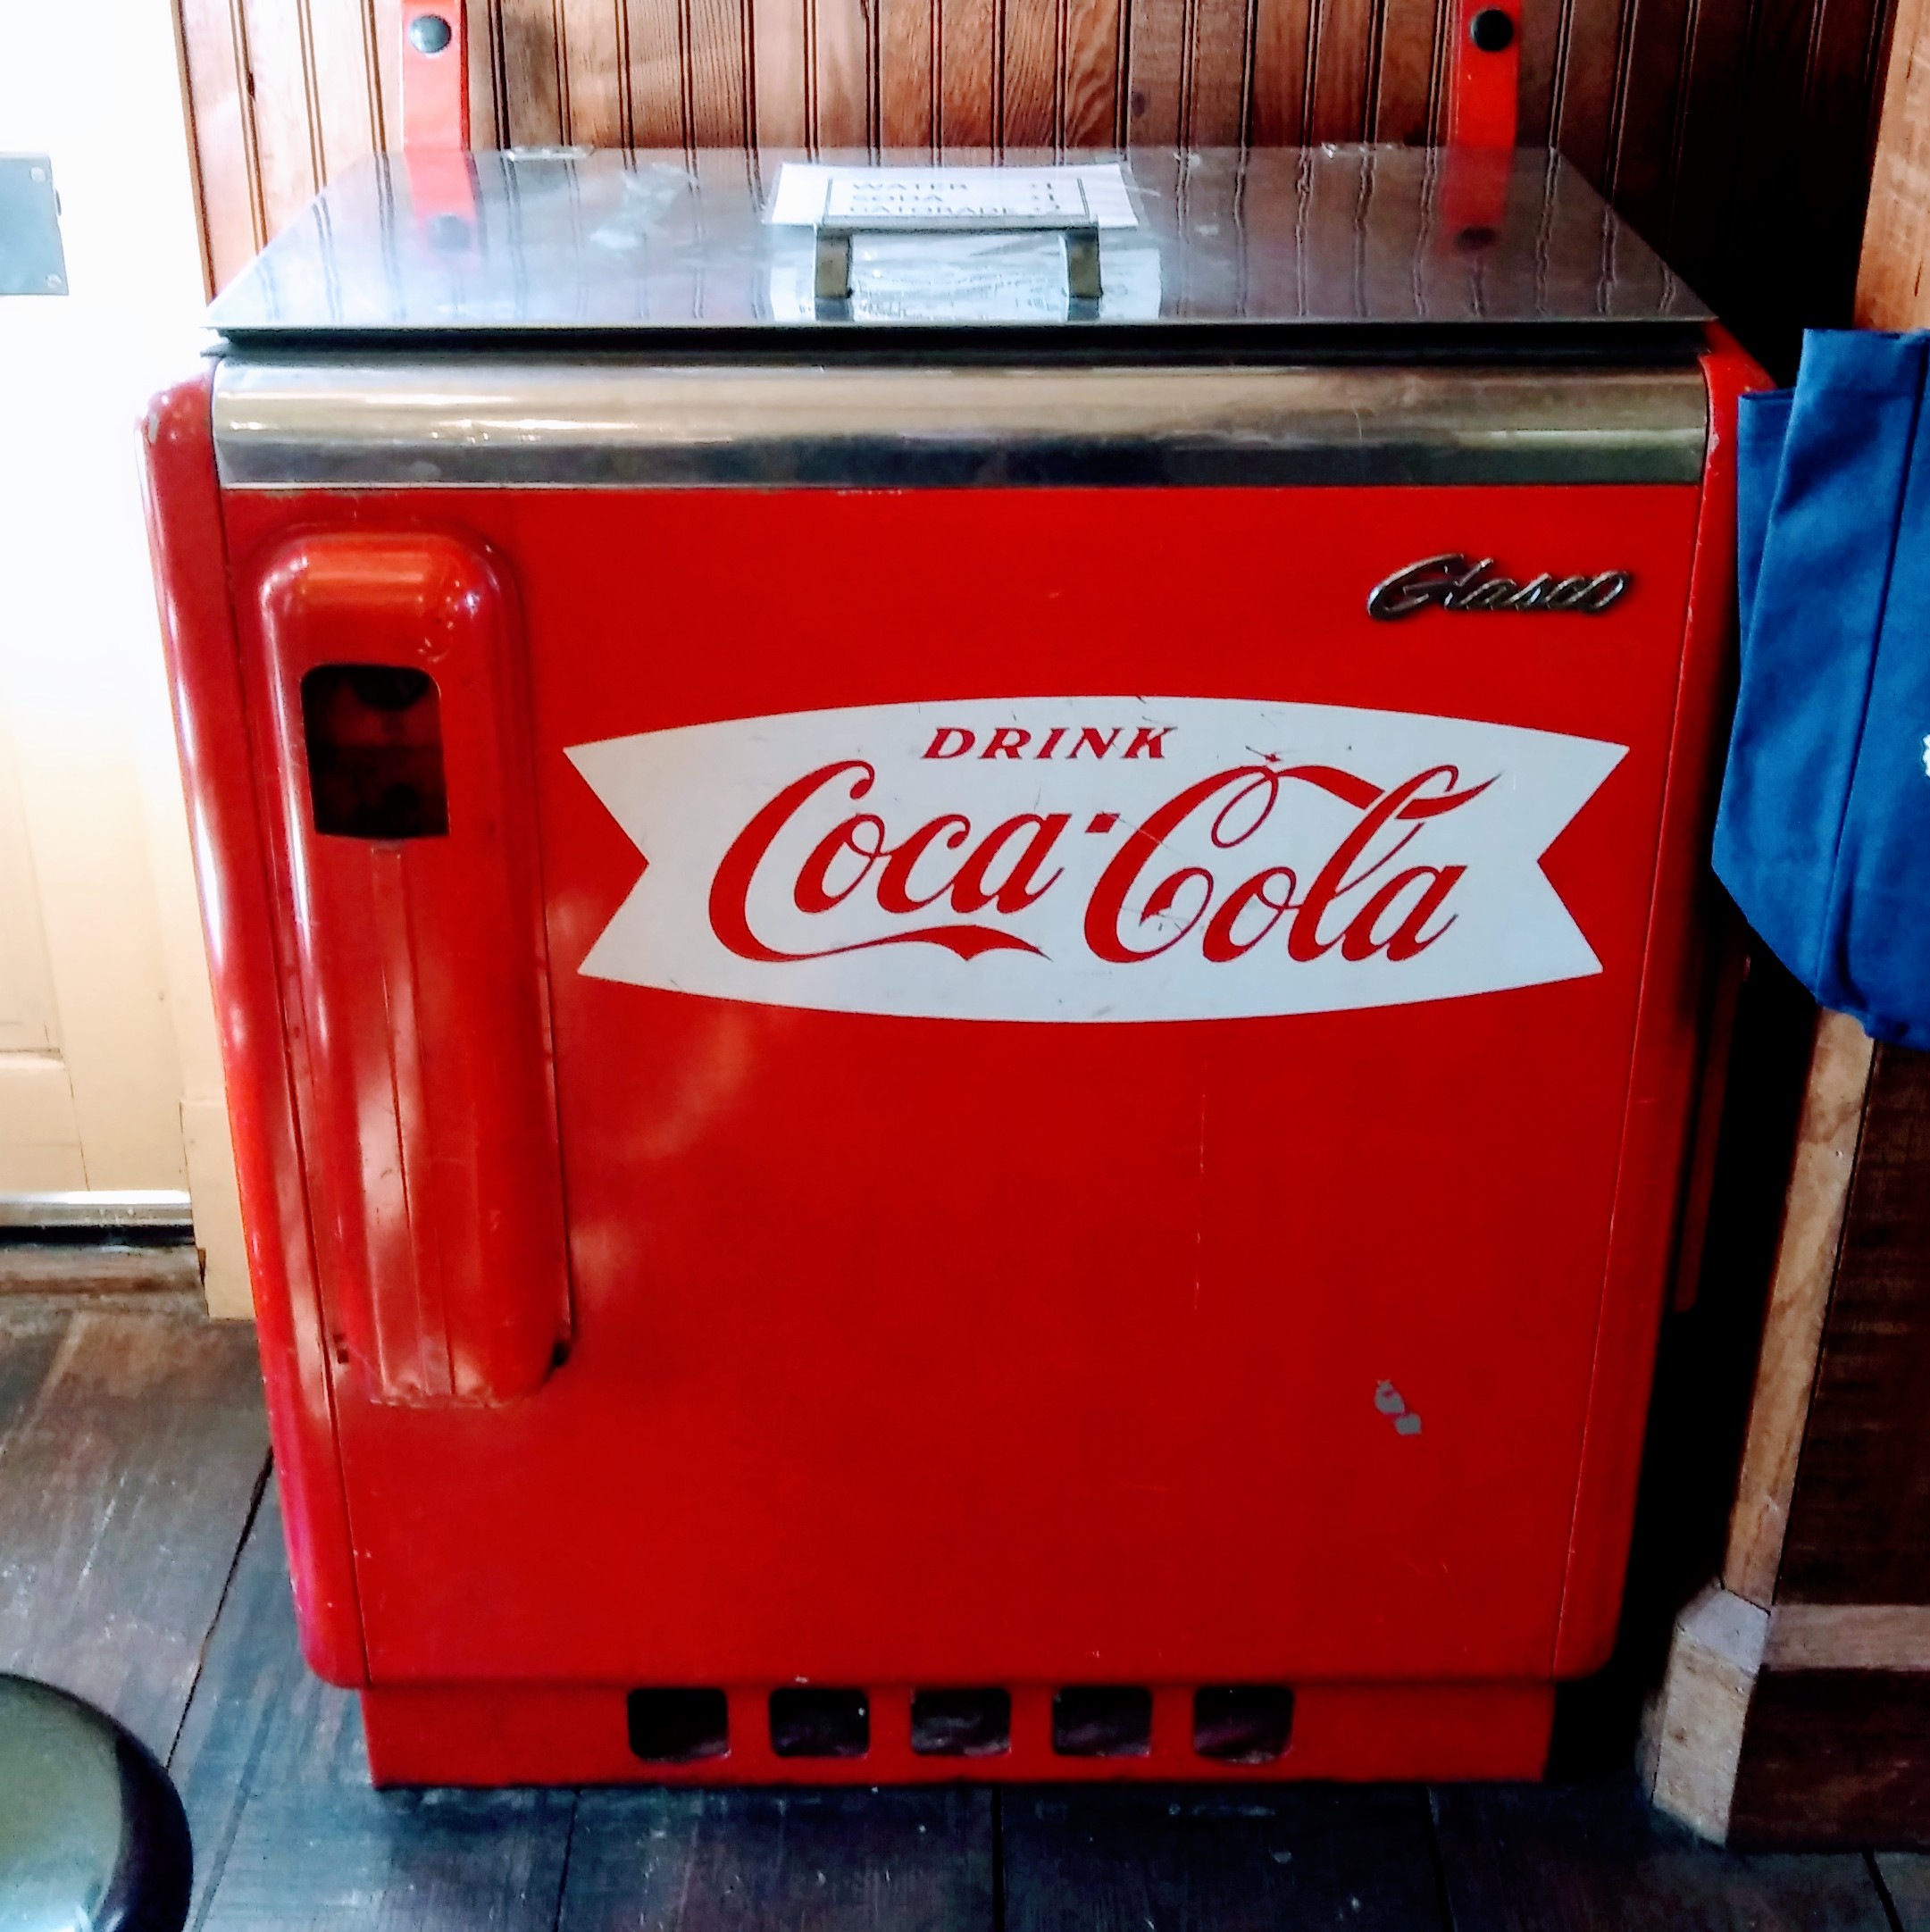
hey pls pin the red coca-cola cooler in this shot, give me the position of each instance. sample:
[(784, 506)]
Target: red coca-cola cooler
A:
[(955, 915)]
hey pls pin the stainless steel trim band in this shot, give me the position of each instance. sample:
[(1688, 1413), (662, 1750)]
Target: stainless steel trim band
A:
[(372, 423), (126, 1210)]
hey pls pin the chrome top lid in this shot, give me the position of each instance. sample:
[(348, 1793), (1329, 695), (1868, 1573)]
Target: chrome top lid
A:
[(1352, 250)]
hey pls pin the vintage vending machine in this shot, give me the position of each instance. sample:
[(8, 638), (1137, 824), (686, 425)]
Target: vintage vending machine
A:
[(954, 913)]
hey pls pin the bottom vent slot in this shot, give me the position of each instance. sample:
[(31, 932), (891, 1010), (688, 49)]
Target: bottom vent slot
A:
[(812, 1723), (676, 1727), (961, 1724), (1102, 1720), (1242, 1723)]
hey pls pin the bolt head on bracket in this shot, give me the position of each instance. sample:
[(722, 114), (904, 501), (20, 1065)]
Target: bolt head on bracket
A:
[(1491, 30)]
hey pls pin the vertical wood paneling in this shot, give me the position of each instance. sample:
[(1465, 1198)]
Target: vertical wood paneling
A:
[(1778, 64), (530, 53), (225, 162), (656, 82), (1407, 102), (1217, 75), (317, 114), (1894, 282), (285, 139), (909, 31), (594, 65), (815, 73), (1542, 31), (971, 86), (786, 103), (1843, 90), (345, 90), (1735, 133), (486, 120), (1156, 72), (1654, 74), (1034, 72), (1279, 47), (844, 90), (384, 27), (717, 32), (1784, 250), (1343, 61), (1094, 77), (1590, 68), (1714, 80)]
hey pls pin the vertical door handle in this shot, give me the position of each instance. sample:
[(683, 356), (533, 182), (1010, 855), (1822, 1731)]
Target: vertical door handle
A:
[(394, 680)]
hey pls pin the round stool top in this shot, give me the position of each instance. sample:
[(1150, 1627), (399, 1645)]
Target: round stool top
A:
[(92, 1834)]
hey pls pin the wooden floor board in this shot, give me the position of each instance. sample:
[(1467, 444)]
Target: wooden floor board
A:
[(888, 1861), (35, 1269), (1116, 1858), (125, 1484), (1906, 1877), (30, 1340), (1595, 1858), (287, 1829), (251, 1676), (320, 1857)]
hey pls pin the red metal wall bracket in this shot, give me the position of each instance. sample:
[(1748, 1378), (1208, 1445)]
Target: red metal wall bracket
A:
[(435, 120), (1485, 72), (435, 74)]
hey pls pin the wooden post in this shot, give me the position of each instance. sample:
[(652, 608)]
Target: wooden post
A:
[(1799, 1294), (1694, 1740), (1893, 288)]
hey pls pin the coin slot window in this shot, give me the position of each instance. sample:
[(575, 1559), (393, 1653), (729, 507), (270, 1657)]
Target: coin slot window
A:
[(677, 1727), (1102, 1720), (1242, 1723), (961, 1724), (807, 1722), (374, 740)]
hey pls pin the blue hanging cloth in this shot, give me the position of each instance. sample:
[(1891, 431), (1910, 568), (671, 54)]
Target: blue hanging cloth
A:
[(1823, 838)]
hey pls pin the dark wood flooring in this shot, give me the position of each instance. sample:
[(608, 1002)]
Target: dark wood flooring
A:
[(141, 1565)]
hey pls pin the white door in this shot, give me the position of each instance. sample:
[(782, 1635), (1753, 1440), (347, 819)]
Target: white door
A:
[(108, 1072)]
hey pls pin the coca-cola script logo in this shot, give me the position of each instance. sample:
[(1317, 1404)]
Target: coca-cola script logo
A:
[(1457, 582), (1092, 858)]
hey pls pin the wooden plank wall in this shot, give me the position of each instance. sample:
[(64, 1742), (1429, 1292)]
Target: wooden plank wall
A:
[(1736, 134), (1893, 289)]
